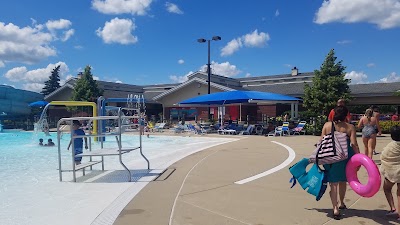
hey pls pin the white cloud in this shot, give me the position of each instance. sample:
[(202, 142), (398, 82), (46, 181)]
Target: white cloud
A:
[(181, 61), (118, 31), (2, 64), (223, 69), (247, 75), (180, 79), (256, 39), (58, 24), (118, 82), (277, 12), (78, 47), (22, 74), (288, 65), (253, 39), (134, 7), (344, 42), (67, 34), (173, 8), (384, 13), (371, 65), (26, 44), (393, 77), (36, 87), (31, 44), (231, 47), (357, 77)]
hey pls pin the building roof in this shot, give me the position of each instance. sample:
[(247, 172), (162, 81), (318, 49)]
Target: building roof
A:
[(271, 77), (297, 89), (376, 89), (291, 89), (196, 79)]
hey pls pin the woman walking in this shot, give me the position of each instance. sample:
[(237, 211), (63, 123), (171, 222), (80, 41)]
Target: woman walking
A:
[(336, 172), (369, 123)]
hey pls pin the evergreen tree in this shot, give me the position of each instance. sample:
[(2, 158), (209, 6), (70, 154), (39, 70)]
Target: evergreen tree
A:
[(86, 88), (53, 83), (328, 85)]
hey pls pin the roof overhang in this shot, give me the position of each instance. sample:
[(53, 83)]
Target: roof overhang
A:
[(194, 80), (66, 85)]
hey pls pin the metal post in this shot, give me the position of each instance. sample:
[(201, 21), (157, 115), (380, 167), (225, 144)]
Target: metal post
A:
[(209, 77)]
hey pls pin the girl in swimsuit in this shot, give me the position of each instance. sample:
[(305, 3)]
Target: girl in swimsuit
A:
[(368, 122)]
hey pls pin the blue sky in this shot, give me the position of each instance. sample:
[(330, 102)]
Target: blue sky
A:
[(155, 41)]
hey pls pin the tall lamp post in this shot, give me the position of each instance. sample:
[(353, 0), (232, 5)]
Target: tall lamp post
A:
[(202, 40)]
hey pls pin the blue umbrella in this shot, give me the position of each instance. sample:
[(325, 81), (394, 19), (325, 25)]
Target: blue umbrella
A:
[(234, 97), (38, 104)]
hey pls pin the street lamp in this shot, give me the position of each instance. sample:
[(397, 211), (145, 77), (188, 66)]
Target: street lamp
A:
[(202, 40)]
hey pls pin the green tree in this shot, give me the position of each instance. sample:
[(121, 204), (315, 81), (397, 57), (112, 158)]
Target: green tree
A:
[(53, 83), (328, 85), (86, 88)]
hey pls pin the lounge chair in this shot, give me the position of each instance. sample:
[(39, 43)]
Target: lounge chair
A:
[(227, 130), (300, 128), (248, 130), (159, 127), (281, 130)]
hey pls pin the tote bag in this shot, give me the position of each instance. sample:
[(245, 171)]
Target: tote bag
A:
[(332, 148)]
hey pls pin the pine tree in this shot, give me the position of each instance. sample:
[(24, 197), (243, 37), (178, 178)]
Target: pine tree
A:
[(86, 88), (53, 83), (328, 85)]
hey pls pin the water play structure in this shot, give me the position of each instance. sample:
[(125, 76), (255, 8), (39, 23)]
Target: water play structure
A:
[(109, 125), (133, 102), (43, 125)]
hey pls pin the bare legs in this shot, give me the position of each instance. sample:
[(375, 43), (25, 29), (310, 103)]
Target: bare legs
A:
[(369, 145), (342, 193), (333, 194), (387, 188), (373, 144)]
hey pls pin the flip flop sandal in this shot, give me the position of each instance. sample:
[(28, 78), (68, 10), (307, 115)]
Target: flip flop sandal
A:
[(337, 216), (343, 207)]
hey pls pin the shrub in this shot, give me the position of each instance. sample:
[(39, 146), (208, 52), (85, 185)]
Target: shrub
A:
[(386, 125)]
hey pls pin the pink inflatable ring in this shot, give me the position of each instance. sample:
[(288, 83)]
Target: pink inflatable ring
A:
[(374, 177)]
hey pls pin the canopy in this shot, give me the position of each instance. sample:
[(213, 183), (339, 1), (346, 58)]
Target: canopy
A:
[(232, 97), (38, 104)]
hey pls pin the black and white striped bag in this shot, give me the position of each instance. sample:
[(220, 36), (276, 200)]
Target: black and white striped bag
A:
[(331, 149)]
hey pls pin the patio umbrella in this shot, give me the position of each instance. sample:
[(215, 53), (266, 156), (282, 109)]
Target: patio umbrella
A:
[(234, 97), (38, 104), (238, 97)]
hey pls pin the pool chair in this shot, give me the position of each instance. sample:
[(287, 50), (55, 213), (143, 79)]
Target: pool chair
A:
[(281, 130), (227, 130), (248, 130), (300, 128), (159, 127)]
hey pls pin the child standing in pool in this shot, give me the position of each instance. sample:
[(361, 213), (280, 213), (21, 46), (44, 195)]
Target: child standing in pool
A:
[(78, 142), (390, 169)]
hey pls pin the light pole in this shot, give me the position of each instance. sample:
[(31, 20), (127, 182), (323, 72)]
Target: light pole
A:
[(202, 40)]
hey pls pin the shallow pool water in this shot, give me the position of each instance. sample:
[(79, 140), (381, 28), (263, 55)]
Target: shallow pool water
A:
[(31, 193)]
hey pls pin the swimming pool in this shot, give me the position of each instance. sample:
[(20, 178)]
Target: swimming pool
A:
[(31, 193)]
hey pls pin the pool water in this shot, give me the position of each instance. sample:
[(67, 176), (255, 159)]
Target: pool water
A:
[(30, 191)]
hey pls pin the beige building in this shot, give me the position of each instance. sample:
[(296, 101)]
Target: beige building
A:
[(164, 98)]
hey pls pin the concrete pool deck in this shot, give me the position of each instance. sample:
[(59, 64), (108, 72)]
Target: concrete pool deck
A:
[(200, 189)]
